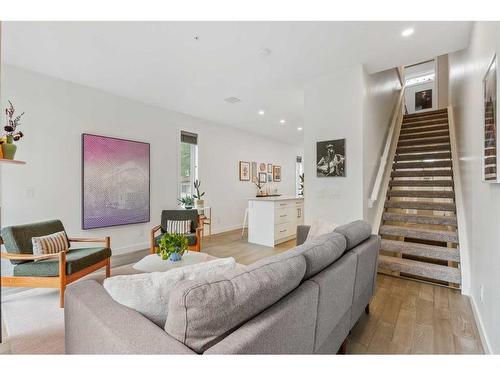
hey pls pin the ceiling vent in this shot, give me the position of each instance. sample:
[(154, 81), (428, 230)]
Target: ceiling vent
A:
[(233, 100)]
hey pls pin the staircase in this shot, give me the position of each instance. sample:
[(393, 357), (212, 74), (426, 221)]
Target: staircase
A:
[(419, 224)]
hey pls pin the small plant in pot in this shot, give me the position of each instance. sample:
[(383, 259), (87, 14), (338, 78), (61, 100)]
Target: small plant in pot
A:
[(12, 134), (187, 202), (198, 201), (172, 246)]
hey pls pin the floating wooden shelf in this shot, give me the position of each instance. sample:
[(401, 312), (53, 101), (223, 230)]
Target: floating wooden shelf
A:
[(8, 161)]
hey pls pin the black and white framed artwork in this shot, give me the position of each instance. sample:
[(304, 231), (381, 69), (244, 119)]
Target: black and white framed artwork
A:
[(330, 158)]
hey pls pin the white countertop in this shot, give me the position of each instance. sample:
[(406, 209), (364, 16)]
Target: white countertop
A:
[(275, 199)]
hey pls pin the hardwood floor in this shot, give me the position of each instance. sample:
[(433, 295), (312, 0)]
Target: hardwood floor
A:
[(406, 317)]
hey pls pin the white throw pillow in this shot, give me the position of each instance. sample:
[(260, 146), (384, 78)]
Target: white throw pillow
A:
[(148, 293), (320, 227)]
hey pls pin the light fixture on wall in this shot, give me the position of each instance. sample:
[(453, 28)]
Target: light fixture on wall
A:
[(299, 129), (408, 31), (282, 121), (261, 112)]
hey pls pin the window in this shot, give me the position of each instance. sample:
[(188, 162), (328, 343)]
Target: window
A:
[(299, 173), (188, 163), (421, 79)]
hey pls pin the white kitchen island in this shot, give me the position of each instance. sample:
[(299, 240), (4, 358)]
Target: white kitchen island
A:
[(273, 220)]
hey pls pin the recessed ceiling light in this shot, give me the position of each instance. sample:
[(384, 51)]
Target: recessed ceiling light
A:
[(299, 129), (264, 52), (408, 32), (233, 100), (261, 112), (282, 121)]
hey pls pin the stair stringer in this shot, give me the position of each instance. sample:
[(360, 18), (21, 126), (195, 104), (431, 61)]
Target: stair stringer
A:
[(460, 209)]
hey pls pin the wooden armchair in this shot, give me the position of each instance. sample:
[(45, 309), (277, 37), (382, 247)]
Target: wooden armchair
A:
[(50, 270), (194, 238)]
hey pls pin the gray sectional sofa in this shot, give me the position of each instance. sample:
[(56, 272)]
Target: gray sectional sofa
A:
[(302, 301)]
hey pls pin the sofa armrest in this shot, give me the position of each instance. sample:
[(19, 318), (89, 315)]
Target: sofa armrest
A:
[(302, 232), (97, 324)]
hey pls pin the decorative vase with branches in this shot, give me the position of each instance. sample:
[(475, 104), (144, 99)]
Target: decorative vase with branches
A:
[(199, 195), (12, 133)]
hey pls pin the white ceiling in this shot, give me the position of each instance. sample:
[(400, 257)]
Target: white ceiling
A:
[(161, 63)]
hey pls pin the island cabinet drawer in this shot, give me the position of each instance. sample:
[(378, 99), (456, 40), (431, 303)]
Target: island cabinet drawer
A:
[(284, 204), (284, 215), (284, 230)]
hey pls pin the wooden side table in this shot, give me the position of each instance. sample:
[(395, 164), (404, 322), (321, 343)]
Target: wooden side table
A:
[(206, 218)]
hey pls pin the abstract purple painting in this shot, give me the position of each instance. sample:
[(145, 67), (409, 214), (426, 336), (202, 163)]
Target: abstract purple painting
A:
[(115, 182)]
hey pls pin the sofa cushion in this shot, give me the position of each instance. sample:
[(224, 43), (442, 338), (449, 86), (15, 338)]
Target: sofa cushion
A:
[(321, 251), (76, 260), (148, 293), (355, 232), (191, 237), (17, 238), (202, 313)]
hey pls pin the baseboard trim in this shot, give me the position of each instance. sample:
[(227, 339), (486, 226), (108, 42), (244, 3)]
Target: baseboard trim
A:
[(480, 327)]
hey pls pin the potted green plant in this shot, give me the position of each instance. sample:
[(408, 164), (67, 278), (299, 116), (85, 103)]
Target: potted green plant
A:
[(198, 201), (12, 134), (172, 246), (187, 202)]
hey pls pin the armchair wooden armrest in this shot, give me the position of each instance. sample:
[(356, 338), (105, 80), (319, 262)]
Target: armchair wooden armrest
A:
[(105, 240), (28, 257)]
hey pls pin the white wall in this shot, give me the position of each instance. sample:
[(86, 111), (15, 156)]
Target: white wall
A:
[(381, 93), (58, 112), (443, 82), (357, 106), (333, 109), (482, 200)]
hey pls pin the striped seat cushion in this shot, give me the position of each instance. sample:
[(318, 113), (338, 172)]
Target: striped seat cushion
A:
[(179, 226), (50, 244)]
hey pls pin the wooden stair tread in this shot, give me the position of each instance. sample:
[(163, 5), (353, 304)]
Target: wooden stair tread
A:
[(423, 164), (420, 149), (421, 250), (424, 141), (426, 117), (423, 156), (411, 205), (421, 114), (421, 193), (419, 233), (441, 133), (422, 269), (440, 183), (420, 124), (426, 129), (430, 173), (420, 219)]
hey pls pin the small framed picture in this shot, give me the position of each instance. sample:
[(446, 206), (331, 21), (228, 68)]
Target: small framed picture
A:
[(269, 168), (269, 177), (262, 167), (276, 173), (262, 177), (254, 171), (244, 171)]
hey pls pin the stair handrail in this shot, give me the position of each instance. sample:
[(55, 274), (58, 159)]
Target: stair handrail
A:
[(386, 154)]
